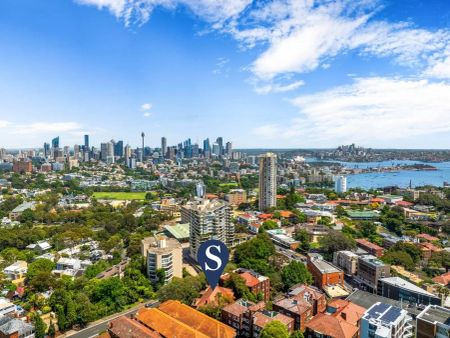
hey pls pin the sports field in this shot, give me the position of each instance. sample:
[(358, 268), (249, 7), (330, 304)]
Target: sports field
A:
[(119, 195)]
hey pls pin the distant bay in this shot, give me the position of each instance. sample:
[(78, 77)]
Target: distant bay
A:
[(401, 178)]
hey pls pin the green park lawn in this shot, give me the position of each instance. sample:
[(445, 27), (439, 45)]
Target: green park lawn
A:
[(119, 195)]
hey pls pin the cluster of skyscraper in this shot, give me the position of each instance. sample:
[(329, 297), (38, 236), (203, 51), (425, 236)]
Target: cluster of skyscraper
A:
[(110, 151)]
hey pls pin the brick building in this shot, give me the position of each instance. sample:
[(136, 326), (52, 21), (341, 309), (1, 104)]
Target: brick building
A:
[(256, 282), (301, 304), (250, 318), (370, 247)]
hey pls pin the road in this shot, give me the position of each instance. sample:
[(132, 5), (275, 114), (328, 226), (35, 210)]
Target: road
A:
[(95, 328)]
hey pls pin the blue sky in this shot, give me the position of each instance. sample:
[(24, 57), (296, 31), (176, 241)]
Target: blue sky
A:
[(280, 73)]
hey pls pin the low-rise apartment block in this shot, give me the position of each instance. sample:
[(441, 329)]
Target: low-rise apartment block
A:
[(386, 321)]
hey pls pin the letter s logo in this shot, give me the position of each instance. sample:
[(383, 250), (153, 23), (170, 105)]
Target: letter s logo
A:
[(213, 257)]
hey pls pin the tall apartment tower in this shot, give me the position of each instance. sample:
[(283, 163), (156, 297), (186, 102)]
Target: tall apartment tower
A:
[(208, 219), (162, 253), (143, 147), (163, 147), (267, 181)]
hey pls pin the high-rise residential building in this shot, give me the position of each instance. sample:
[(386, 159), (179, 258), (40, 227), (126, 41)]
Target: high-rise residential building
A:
[(267, 181), (200, 190), (76, 151), (208, 219), (103, 151), (171, 152), (47, 151), (433, 322), (118, 149), (386, 321), (340, 184), (107, 152), (55, 142), (219, 141), (163, 147), (229, 149), (127, 152), (206, 146), (86, 141), (162, 253), (216, 149), (142, 154)]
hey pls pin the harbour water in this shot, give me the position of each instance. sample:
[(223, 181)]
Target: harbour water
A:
[(401, 178)]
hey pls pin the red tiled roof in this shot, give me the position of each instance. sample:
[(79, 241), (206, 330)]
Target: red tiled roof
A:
[(429, 246), (196, 320), (443, 279), (265, 216), (261, 320), (349, 311), (404, 204), (368, 244), (332, 326), (427, 237), (129, 328), (210, 296), (250, 280), (286, 213)]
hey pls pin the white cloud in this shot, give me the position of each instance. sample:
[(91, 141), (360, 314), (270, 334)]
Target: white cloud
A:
[(373, 111), (4, 124), (139, 11), (49, 127), (298, 36), (146, 114), (221, 66), (146, 106), (278, 88)]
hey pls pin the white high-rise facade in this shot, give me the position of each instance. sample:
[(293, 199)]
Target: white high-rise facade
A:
[(208, 219), (340, 184), (267, 181)]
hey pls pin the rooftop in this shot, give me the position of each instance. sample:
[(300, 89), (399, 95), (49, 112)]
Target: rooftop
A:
[(204, 205), (196, 320), (321, 265), (126, 327), (384, 314), (367, 299), (435, 313), (179, 231), (404, 284)]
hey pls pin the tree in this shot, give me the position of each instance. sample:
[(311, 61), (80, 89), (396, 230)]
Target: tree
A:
[(260, 247), (240, 289), (61, 317), (304, 238), (185, 290), (367, 228), (39, 326), (294, 273), (268, 225), (71, 313), (297, 334), (86, 311), (336, 241), (274, 329), (399, 258), (51, 329), (39, 274)]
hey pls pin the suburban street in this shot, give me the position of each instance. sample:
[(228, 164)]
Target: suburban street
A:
[(95, 328)]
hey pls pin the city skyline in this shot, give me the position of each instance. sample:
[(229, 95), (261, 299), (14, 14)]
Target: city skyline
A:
[(278, 74)]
